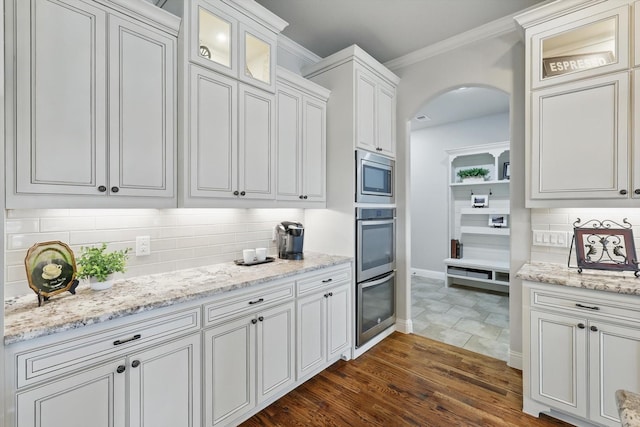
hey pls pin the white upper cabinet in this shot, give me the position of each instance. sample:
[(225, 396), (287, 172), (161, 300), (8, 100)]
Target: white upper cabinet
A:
[(580, 146), (224, 38), (375, 114), (301, 139), (590, 42), (636, 40), (95, 94)]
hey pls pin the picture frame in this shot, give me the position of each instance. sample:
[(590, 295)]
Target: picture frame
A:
[(506, 170), (50, 268), (605, 249), (497, 221), (479, 200)]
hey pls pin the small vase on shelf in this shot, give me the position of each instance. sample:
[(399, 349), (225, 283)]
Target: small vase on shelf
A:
[(101, 286)]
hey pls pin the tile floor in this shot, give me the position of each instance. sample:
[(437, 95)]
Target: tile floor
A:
[(470, 318)]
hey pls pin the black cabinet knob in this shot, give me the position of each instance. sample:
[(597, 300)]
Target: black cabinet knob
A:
[(301, 197), (623, 192), (242, 193), (594, 328), (326, 295), (261, 318), (135, 363), (114, 189), (305, 197), (330, 294), (637, 191), (102, 189), (235, 193), (121, 369), (580, 325), (254, 321)]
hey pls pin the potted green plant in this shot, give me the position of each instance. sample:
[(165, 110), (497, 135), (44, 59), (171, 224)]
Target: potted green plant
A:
[(473, 174), (98, 266)]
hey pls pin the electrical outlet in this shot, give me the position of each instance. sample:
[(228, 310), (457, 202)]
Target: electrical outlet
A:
[(143, 245), (557, 239)]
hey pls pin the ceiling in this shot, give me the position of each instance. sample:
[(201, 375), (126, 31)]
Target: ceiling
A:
[(389, 29)]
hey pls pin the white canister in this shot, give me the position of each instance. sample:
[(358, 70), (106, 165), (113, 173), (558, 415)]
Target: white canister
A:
[(261, 254), (249, 255)]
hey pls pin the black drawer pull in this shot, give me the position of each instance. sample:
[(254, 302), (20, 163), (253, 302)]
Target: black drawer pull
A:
[(327, 280), (588, 307), (258, 301), (133, 338)]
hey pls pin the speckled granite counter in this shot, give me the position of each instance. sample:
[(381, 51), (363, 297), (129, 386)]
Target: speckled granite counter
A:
[(628, 408), (555, 274), (24, 320)]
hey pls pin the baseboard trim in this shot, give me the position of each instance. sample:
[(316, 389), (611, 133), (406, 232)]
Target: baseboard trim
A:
[(357, 352), (515, 360), (404, 325), (429, 274)]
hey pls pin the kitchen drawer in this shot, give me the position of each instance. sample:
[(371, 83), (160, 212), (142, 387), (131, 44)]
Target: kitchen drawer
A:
[(90, 348), (239, 304), (591, 306), (326, 277)]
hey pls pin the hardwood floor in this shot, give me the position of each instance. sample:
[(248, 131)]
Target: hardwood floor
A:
[(407, 380)]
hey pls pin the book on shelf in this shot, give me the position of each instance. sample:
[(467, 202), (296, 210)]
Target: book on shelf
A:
[(456, 249)]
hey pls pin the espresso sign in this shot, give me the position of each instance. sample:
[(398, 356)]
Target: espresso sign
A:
[(569, 64)]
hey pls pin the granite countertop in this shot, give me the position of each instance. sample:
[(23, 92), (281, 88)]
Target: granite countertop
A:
[(628, 408), (621, 282), (24, 320)]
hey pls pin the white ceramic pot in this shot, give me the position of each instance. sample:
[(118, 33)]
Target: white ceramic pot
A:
[(473, 179), (101, 286)]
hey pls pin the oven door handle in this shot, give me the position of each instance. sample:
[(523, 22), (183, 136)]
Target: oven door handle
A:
[(376, 282), (377, 221)]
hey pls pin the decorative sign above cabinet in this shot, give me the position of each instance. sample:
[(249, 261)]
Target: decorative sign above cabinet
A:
[(568, 64)]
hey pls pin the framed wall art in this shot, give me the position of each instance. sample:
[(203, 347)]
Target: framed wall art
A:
[(51, 269)]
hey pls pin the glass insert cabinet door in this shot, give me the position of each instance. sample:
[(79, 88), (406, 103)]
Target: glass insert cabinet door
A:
[(214, 38), (583, 48), (257, 58)]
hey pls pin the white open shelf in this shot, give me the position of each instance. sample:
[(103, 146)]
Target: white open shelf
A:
[(486, 273), (469, 184), (483, 264), (484, 211), (493, 231)]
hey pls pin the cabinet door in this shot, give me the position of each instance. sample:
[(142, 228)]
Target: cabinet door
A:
[(338, 321), (213, 41), (636, 41), (275, 350), (256, 154), (386, 120), (164, 384), (579, 140), (258, 57), (614, 354), (311, 333), (60, 58), (590, 42), (94, 397), (365, 111), (558, 362), (314, 149), (289, 133), (636, 126), (213, 139), (142, 137), (229, 370)]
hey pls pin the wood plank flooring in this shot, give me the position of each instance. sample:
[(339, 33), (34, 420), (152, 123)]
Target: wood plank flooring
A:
[(407, 380)]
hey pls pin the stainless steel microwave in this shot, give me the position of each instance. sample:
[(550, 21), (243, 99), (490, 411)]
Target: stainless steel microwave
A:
[(374, 178)]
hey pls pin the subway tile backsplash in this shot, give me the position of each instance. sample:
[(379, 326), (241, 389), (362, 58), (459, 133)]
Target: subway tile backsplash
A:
[(180, 238), (563, 219)]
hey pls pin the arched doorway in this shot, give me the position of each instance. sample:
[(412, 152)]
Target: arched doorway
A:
[(466, 314)]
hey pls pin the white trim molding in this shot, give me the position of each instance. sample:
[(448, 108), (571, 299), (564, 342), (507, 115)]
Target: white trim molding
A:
[(285, 43), (404, 325), (429, 274), (515, 360)]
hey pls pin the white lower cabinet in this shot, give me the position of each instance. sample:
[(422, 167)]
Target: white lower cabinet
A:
[(323, 328), (129, 391), (247, 360), (582, 349)]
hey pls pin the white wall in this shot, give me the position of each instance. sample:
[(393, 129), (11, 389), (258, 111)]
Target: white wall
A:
[(430, 184), (499, 63), (180, 238)]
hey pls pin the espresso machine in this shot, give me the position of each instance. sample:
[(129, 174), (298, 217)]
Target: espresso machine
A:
[(290, 238)]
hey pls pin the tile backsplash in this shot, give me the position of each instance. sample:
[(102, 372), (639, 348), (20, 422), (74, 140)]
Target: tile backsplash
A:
[(563, 219), (180, 238)]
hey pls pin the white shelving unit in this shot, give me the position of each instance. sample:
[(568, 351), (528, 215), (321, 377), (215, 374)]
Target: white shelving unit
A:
[(485, 249)]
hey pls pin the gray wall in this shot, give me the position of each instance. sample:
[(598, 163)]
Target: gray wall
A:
[(430, 186)]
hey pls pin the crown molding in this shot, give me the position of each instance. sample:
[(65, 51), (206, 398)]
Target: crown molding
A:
[(301, 84), (299, 51), (146, 11), (551, 10)]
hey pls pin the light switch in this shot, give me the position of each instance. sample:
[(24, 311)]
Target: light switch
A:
[(556, 239)]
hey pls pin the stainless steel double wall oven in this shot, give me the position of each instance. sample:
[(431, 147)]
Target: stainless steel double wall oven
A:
[(375, 246)]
